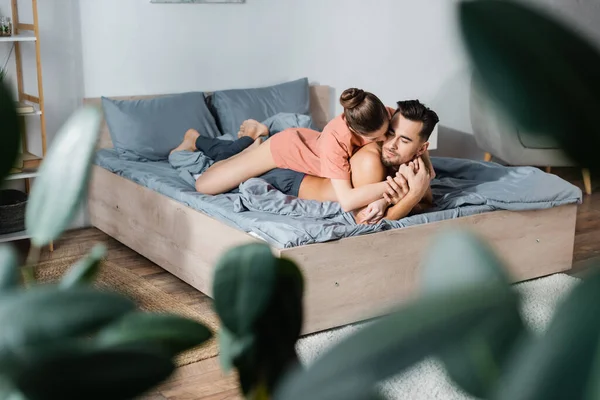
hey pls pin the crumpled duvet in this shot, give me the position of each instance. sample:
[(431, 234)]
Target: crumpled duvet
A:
[(461, 188)]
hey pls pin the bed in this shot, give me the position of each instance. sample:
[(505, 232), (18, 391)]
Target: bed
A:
[(351, 275)]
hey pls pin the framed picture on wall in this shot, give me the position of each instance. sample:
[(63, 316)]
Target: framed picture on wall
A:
[(196, 1)]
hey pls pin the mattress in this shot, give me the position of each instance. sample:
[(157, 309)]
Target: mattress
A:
[(461, 188)]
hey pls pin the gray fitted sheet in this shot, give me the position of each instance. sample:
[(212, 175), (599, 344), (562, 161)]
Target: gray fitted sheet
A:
[(461, 188)]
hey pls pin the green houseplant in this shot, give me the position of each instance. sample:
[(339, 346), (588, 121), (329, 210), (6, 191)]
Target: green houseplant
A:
[(69, 340), (545, 76), (472, 325)]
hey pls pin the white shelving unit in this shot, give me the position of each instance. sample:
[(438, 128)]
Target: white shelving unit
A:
[(20, 37), (36, 111), (22, 175), (9, 237), (31, 114), (25, 35)]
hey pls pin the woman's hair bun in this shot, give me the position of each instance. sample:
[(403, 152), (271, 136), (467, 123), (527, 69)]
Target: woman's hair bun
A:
[(352, 97)]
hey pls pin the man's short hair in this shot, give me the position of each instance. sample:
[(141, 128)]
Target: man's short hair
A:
[(414, 110)]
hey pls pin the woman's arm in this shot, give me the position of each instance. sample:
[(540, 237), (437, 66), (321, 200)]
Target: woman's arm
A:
[(335, 165), (352, 198)]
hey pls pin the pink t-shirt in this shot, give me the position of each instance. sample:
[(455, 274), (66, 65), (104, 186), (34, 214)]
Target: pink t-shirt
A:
[(325, 154)]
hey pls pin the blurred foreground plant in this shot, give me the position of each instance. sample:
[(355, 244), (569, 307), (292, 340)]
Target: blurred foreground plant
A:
[(69, 340), (545, 77)]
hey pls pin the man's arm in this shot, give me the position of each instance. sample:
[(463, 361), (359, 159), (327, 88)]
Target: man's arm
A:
[(428, 198), (367, 169), (428, 164), (403, 207), (418, 189)]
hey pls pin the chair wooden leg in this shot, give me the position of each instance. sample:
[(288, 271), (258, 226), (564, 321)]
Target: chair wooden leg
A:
[(487, 157), (548, 169), (587, 180), (51, 246)]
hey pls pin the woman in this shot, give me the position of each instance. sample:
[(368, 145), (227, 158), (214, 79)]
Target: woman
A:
[(325, 154)]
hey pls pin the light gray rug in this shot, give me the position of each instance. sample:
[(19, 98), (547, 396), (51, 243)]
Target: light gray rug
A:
[(427, 380)]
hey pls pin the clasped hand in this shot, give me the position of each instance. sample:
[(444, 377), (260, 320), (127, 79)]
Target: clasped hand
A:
[(412, 177)]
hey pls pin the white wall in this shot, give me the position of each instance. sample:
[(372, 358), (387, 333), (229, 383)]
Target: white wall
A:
[(135, 47), (397, 49), (62, 72)]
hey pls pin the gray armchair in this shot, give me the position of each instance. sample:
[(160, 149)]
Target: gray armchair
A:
[(499, 137)]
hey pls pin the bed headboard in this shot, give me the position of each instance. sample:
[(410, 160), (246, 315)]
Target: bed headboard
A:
[(321, 109)]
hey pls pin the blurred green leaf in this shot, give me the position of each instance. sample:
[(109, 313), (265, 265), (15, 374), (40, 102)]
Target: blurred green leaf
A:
[(8, 391), (12, 395), (227, 349), (63, 179), (242, 286), (85, 270), (560, 363), (284, 314), (279, 328), (92, 373), (541, 73), (393, 343), (475, 362), (264, 355), (232, 348), (166, 331), (9, 268), (46, 313), (259, 392), (460, 259), (11, 136), (241, 353), (249, 372)]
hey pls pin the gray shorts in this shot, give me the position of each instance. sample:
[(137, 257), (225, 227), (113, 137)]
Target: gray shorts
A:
[(284, 180)]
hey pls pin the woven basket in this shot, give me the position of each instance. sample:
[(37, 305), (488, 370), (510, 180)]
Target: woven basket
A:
[(12, 211)]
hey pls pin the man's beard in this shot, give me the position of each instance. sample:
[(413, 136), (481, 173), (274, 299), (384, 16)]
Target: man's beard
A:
[(387, 163)]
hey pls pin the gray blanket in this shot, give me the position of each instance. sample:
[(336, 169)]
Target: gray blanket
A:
[(461, 188)]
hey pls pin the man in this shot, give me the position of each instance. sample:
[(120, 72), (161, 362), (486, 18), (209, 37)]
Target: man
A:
[(403, 154)]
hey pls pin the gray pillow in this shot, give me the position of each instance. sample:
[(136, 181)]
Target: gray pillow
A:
[(283, 121), (148, 129), (234, 106)]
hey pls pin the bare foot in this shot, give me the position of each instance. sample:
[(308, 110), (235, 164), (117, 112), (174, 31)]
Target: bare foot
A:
[(253, 129), (189, 141)]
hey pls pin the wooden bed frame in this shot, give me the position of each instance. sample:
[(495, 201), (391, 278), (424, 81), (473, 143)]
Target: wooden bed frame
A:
[(347, 280)]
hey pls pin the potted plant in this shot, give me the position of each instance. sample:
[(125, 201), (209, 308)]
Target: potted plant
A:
[(71, 340), (543, 75)]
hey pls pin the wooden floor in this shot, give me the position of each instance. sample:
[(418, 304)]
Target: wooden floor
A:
[(204, 380)]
